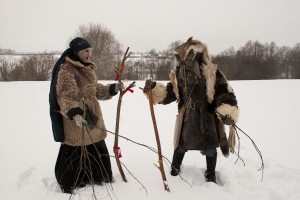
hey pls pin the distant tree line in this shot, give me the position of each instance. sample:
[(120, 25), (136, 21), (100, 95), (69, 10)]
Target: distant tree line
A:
[(27, 68), (253, 61)]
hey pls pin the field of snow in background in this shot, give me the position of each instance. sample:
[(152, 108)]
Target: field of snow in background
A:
[(269, 114)]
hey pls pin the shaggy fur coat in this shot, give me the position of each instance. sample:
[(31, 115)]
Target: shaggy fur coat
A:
[(213, 91), (78, 92)]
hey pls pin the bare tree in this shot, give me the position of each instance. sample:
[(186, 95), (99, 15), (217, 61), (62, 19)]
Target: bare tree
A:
[(294, 59), (164, 69), (4, 69), (106, 49), (7, 64), (172, 46)]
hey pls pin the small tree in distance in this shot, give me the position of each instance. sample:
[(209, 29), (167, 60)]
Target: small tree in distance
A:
[(106, 49)]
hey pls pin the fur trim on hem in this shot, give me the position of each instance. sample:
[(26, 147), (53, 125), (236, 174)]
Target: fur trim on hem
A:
[(159, 93), (226, 109)]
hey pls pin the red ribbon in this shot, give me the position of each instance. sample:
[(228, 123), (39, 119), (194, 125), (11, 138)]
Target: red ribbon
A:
[(127, 89), (119, 151), (117, 77)]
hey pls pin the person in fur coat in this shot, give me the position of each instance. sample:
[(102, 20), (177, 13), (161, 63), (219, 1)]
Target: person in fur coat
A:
[(83, 157), (205, 103)]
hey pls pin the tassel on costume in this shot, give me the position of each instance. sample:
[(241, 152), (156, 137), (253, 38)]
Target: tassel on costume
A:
[(231, 138)]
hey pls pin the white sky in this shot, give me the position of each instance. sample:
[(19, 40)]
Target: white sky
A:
[(39, 25)]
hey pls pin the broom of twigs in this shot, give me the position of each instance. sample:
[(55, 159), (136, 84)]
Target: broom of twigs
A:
[(234, 129), (86, 161), (122, 92), (160, 160)]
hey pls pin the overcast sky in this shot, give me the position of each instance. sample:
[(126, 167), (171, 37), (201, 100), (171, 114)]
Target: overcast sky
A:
[(39, 25)]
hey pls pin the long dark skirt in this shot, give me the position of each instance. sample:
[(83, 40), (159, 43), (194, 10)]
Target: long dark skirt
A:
[(77, 166)]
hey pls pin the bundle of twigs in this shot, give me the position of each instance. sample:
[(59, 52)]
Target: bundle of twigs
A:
[(233, 131)]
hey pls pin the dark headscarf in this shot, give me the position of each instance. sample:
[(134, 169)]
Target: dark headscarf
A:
[(56, 117)]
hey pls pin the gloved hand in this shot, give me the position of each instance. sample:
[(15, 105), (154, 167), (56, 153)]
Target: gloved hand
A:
[(227, 120), (119, 86), (149, 85), (79, 120)]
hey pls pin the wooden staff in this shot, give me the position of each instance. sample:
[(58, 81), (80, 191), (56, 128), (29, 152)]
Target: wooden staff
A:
[(160, 160), (116, 147)]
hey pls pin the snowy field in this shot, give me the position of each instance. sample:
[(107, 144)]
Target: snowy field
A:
[(269, 114)]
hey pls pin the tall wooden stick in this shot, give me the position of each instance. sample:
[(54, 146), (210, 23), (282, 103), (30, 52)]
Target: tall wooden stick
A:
[(160, 160), (116, 147)]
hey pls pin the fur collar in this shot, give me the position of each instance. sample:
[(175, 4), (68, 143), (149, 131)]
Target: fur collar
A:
[(79, 64)]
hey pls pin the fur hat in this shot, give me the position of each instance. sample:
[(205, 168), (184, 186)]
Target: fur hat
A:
[(195, 45), (78, 44)]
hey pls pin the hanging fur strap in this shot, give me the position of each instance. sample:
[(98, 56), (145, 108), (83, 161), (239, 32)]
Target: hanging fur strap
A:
[(222, 138), (231, 139)]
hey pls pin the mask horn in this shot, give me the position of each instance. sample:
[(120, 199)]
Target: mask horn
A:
[(190, 39)]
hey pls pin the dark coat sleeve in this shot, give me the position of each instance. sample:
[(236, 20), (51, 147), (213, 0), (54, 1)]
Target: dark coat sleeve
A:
[(223, 91), (225, 101), (170, 97)]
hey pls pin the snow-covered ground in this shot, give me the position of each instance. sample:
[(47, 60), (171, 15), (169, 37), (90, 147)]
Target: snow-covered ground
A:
[(269, 114)]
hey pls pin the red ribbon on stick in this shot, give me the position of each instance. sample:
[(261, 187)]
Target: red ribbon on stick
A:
[(117, 77), (126, 90), (119, 151)]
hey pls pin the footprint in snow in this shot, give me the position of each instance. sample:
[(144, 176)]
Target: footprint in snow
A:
[(25, 176)]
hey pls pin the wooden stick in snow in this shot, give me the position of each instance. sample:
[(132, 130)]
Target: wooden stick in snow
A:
[(116, 143), (160, 160)]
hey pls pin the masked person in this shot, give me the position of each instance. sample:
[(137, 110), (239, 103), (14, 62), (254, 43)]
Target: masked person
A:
[(77, 120), (205, 103)]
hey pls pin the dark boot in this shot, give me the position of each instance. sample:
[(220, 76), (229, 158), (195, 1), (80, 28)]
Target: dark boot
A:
[(67, 190), (175, 171), (210, 175), (176, 162)]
